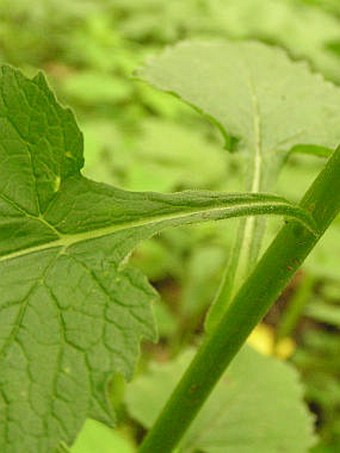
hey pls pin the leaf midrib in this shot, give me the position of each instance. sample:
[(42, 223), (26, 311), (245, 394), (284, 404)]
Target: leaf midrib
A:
[(67, 240), (255, 187)]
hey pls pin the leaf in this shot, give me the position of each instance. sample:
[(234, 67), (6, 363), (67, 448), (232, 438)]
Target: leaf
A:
[(97, 437), (256, 95), (72, 313), (246, 413)]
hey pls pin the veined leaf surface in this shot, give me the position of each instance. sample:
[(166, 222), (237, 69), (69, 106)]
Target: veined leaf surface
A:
[(71, 312), (255, 93)]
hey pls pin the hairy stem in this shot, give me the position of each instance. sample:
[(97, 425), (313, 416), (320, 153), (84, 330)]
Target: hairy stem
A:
[(284, 256)]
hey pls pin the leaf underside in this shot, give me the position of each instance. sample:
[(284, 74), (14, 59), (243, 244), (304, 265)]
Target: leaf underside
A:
[(72, 313), (255, 93)]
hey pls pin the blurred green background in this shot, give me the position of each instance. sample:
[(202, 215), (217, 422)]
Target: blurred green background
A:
[(140, 139)]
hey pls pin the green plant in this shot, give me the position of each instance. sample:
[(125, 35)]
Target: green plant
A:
[(72, 311), (258, 102)]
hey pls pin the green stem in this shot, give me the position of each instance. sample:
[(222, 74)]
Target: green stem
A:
[(288, 250), (238, 268)]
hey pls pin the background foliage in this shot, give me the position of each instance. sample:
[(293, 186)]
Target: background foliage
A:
[(137, 138)]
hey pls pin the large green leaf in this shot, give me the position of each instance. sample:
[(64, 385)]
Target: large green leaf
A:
[(71, 312), (257, 407), (255, 93)]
